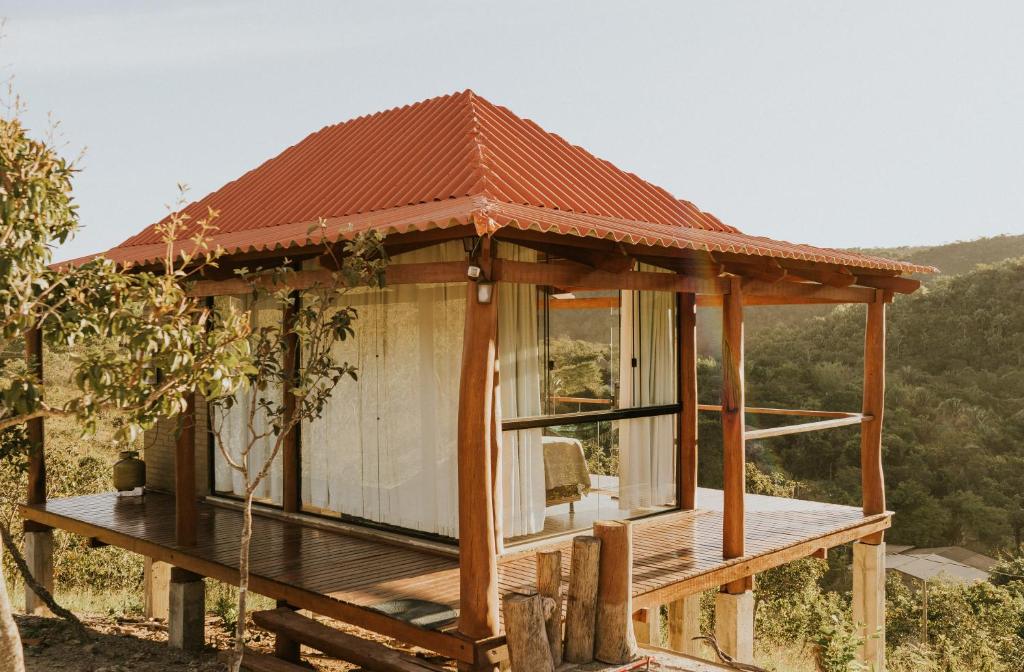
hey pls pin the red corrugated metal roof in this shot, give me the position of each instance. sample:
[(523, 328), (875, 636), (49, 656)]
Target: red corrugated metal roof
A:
[(457, 159)]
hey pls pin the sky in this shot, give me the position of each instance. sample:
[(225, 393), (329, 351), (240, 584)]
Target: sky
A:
[(834, 123)]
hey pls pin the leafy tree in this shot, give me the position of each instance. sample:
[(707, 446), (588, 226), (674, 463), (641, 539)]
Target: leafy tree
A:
[(313, 328), (147, 316)]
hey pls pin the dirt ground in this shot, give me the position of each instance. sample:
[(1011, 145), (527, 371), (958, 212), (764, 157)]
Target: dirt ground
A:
[(119, 644)]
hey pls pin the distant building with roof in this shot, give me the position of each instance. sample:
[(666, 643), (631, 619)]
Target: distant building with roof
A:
[(947, 563)]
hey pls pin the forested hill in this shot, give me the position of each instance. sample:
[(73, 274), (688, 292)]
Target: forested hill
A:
[(950, 259), (954, 426), (958, 257)]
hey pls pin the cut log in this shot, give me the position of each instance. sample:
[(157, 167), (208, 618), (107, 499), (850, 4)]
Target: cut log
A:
[(549, 585), (581, 602), (614, 639), (526, 632), (362, 652)]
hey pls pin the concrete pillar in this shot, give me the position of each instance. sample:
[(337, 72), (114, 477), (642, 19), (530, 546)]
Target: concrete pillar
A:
[(684, 625), (285, 647), (734, 625), (647, 626), (39, 556), (156, 578), (869, 602), (186, 611)]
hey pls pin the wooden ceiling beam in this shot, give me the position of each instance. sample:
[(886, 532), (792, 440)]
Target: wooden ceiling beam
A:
[(766, 271), (824, 276), (705, 268), (612, 261), (890, 282)]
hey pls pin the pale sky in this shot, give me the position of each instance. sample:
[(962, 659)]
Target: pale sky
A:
[(835, 123)]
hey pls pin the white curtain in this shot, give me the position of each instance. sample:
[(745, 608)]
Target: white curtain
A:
[(647, 445), (519, 355), (233, 423), (386, 446)]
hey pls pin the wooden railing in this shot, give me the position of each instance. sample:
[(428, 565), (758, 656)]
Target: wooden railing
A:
[(831, 420)]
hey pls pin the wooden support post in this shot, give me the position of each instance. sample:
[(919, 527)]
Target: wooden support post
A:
[(186, 611), (291, 497), (687, 374), (684, 625), (35, 427), (549, 585), (156, 579), (869, 601), (39, 558), (614, 639), (285, 647), (497, 492), (733, 424), (185, 510), (647, 626), (581, 602), (734, 624), (528, 649), (872, 476), (478, 567), (38, 538)]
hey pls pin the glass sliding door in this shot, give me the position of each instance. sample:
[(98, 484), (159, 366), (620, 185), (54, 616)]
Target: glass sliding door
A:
[(603, 444)]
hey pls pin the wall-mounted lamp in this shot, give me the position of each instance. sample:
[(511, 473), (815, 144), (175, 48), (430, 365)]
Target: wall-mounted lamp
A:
[(484, 291)]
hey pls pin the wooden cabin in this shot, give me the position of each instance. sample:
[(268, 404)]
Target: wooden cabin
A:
[(433, 479)]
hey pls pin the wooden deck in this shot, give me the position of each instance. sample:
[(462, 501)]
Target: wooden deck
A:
[(339, 575)]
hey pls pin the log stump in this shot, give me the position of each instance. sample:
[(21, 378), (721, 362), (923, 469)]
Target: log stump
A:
[(581, 602), (526, 633), (614, 639)]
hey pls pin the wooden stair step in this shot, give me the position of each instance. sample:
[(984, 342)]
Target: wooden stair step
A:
[(261, 662), (363, 652)]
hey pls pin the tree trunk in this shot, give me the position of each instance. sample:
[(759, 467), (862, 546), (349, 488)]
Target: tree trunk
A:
[(11, 656), (243, 580)]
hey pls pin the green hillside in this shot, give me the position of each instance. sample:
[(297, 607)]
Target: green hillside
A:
[(950, 259), (954, 429)]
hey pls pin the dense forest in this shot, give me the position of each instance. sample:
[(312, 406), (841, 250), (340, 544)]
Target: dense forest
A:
[(954, 427)]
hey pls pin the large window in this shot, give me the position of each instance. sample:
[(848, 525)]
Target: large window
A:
[(588, 403)]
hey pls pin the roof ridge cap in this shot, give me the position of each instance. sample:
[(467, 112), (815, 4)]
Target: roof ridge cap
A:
[(482, 168)]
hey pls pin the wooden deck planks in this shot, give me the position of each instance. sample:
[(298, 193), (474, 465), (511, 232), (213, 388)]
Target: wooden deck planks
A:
[(669, 550)]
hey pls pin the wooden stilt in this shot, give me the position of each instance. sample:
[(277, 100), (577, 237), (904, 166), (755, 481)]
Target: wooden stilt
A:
[(869, 601), (478, 569), (156, 579), (647, 626), (687, 358), (39, 557), (684, 625)]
